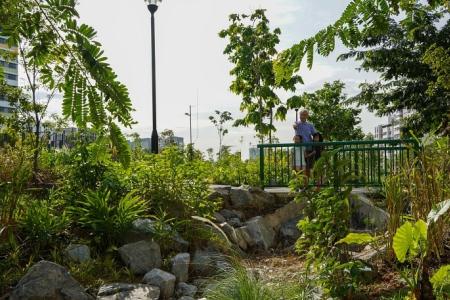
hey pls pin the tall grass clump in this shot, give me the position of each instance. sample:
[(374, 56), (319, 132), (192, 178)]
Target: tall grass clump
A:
[(238, 284), (419, 185)]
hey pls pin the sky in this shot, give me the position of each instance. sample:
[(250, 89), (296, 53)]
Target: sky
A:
[(191, 67)]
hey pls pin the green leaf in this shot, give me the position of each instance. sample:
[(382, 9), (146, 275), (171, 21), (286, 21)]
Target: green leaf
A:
[(441, 279), (356, 239), (120, 143), (403, 241), (440, 209)]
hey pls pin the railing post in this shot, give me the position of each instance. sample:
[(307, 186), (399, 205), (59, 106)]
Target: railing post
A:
[(261, 165)]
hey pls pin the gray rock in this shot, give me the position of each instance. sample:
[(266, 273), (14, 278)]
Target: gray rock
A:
[(230, 214), (208, 262), (180, 266), (289, 232), (262, 236), (219, 218), (141, 257), (289, 211), (184, 289), (235, 222), (164, 280), (240, 197), (365, 215), (123, 291), (78, 253), (187, 298), (47, 280), (233, 235)]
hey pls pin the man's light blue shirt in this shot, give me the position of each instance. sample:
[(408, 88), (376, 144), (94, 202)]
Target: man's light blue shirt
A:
[(306, 130)]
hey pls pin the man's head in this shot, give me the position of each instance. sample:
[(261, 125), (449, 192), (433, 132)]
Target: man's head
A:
[(304, 115)]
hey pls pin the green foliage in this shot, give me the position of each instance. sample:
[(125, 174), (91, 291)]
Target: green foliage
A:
[(438, 58), (441, 282), (42, 222), (219, 121), (106, 218), (66, 57), (356, 239), (410, 240), (327, 218), (238, 284), (251, 49), (330, 113), (174, 183), (232, 170), (405, 77)]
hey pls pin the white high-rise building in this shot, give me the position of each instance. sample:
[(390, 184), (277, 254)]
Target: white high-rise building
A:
[(393, 129), (10, 69)]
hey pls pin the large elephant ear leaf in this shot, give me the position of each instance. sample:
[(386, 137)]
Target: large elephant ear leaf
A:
[(437, 212), (403, 241), (120, 143)]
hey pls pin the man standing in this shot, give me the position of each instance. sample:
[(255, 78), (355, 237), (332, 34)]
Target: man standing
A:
[(306, 130)]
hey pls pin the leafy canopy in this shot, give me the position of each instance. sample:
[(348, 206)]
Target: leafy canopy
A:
[(70, 60)]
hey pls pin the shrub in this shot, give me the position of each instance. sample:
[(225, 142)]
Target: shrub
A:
[(104, 217), (231, 170), (41, 222), (173, 183)]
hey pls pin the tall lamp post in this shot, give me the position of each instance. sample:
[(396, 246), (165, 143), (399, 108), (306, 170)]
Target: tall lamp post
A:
[(153, 7)]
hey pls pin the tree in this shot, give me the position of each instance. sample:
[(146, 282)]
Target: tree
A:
[(167, 135), (65, 58), (411, 60), (219, 121), (330, 114), (251, 49), (361, 20)]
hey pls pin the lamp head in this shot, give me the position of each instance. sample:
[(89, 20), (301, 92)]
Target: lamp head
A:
[(152, 5)]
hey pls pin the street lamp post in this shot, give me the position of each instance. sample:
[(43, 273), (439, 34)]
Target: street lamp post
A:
[(153, 7)]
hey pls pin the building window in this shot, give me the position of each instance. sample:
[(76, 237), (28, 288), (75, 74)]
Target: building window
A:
[(11, 77)]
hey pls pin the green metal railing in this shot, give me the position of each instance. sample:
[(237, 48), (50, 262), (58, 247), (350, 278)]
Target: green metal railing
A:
[(369, 162)]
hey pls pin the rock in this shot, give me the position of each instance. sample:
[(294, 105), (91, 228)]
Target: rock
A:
[(78, 253), (165, 281), (290, 211), (145, 229), (184, 289), (208, 262), (123, 291), (230, 214), (233, 235), (141, 257), (235, 222), (243, 233), (369, 254), (365, 215), (261, 234), (240, 197), (289, 232), (180, 266), (188, 298), (47, 280), (219, 218), (214, 229)]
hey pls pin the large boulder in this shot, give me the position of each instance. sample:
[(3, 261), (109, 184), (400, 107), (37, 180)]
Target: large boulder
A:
[(208, 262), (164, 280), (145, 229), (234, 235), (231, 214), (249, 198), (125, 291), (184, 289), (141, 256), (259, 233), (49, 281), (78, 253), (288, 212), (180, 266), (365, 215), (289, 233)]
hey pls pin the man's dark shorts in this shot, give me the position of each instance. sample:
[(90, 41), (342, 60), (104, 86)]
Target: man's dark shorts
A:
[(309, 160)]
